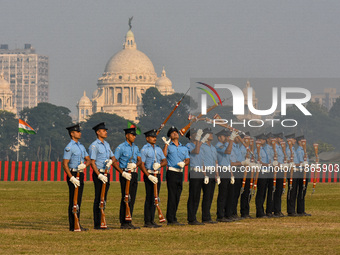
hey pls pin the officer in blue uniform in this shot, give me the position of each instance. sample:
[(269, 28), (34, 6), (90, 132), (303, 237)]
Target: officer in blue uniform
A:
[(178, 157), (153, 160), (195, 174), (263, 184), (101, 157), (291, 194), (127, 158), (208, 156), (238, 159), (299, 193), (223, 148), (279, 177), (74, 157)]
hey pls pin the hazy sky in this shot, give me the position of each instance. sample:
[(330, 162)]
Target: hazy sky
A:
[(190, 38)]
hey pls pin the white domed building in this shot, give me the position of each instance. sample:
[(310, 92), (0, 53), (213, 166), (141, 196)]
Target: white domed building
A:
[(127, 75), (6, 96)]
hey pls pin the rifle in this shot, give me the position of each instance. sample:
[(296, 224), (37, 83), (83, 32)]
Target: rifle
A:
[(290, 144), (273, 141), (155, 191), (303, 143), (126, 200), (247, 142), (316, 149), (283, 145), (173, 110), (251, 170), (103, 203), (76, 208), (186, 128), (258, 147)]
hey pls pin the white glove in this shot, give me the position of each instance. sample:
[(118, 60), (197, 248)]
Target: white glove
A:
[(218, 180), (108, 163), (291, 165), (206, 179), (199, 135), (245, 162), (205, 138), (275, 163), (232, 180), (233, 135), (181, 164), (305, 163), (75, 182), (131, 166), (156, 166), (153, 179), (103, 178), (126, 175), (166, 141), (81, 166)]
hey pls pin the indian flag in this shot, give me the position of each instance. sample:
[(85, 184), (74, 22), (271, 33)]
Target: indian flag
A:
[(25, 128)]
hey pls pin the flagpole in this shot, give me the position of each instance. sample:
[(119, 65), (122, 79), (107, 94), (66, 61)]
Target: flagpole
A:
[(18, 148)]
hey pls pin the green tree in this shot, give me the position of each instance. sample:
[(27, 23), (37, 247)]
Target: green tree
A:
[(115, 125), (157, 107), (334, 112), (49, 121), (8, 135)]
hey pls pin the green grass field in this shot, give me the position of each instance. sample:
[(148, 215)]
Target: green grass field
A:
[(34, 220)]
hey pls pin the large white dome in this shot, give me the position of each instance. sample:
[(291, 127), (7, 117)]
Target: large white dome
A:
[(130, 61), (4, 85)]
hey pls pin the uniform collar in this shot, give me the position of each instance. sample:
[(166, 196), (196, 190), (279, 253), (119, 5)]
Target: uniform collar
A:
[(98, 141), (149, 145), (126, 143), (179, 144)]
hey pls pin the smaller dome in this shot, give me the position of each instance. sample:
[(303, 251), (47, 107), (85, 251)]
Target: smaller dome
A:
[(163, 81), (85, 101), (4, 85)]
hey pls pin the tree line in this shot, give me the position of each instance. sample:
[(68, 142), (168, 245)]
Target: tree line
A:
[(50, 122)]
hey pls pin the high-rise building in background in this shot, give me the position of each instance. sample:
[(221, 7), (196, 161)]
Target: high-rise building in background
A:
[(27, 74)]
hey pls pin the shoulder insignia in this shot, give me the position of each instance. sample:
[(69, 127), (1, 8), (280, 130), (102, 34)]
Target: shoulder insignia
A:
[(67, 149)]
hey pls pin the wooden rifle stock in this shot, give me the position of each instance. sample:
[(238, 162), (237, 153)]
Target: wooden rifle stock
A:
[(273, 141), (155, 191), (316, 149), (187, 127), (76, 208), (247, 142), (258, 147), (283, 145), (173, 110), (303, 142), (126, 200), (292, 169), (103, 203), (251, 170)]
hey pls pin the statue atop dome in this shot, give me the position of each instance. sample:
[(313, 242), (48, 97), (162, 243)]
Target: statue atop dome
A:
[(130, 19)]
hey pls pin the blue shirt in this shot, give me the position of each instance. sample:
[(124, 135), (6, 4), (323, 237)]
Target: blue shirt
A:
[(236, 155), (148, 155), (195, 159), (100, 152), (243, 151), (222, 158), (76, 153), (176, 154), (263, 154), (296, 160), (280, 155), (208, 155), (300, 154), (124, 152), (270, 152)]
